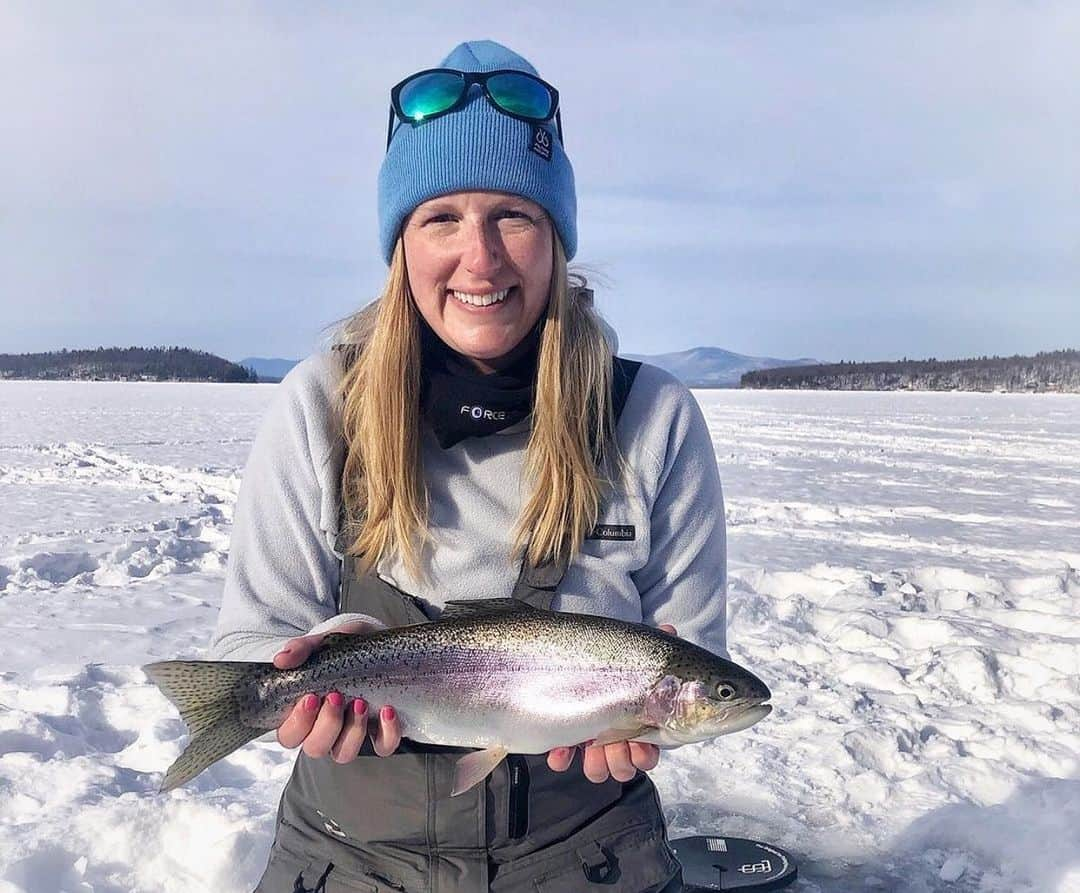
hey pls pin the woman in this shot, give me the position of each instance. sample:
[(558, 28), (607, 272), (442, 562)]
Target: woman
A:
[(472, 438)]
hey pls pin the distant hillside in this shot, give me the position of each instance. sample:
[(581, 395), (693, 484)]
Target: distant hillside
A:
[(124, 364), (1053, 371), (268, 368), (713, 367)]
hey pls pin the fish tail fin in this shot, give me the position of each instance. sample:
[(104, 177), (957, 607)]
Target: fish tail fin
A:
[(216, 741), (203, 693)]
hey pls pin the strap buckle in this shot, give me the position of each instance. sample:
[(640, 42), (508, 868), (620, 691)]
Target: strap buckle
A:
[(600, 865)]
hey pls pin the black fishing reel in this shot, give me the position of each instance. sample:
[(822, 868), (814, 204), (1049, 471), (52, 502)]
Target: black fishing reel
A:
[(732, 863)]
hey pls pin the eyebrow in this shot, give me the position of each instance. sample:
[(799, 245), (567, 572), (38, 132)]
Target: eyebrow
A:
[(436, 207), (445, 207)]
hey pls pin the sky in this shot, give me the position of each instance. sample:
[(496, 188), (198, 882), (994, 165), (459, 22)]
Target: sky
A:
[(838, 180)]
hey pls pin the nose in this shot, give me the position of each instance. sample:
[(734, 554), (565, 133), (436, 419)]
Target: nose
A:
[(757, 689), (481, 250)]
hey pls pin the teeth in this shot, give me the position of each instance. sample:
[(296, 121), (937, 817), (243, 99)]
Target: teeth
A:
[(481, 300)]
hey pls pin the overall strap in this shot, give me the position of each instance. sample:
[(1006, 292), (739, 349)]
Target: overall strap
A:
[(622, 380), (368, 593), (537, 585)]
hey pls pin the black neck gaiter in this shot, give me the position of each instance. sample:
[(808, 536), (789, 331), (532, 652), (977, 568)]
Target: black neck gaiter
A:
[(460, 401)]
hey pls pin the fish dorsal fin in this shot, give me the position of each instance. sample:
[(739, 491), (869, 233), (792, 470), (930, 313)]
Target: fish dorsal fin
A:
[(480, 606)]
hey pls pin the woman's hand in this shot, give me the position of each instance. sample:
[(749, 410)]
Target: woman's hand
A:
[(329, 725), (620, 760)]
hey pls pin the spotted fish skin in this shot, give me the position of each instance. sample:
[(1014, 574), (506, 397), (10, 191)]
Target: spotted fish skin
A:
[(493, 674)]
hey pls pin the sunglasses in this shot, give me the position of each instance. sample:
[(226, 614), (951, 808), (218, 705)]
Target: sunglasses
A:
[(439, 91)]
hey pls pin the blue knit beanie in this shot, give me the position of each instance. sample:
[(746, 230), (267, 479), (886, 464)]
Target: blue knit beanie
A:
[(475, 147)]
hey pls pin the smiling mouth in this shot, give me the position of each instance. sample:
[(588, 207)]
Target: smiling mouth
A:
[(484, 300)]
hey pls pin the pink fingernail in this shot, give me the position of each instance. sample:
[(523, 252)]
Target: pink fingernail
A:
[(359, 706), (336, 699), (311, 703), (388, 713)]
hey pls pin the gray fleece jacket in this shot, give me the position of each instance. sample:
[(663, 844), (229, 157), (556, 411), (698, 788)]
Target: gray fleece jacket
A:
[(284, 568)]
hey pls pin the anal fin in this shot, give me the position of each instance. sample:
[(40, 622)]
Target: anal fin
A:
[(474, 767)]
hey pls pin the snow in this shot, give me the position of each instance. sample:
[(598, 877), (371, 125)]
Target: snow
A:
[(904, 574)]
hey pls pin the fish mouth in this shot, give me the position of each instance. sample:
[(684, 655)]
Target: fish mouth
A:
[(748, 717)]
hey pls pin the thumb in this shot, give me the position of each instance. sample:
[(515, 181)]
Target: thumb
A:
[(294, 652)]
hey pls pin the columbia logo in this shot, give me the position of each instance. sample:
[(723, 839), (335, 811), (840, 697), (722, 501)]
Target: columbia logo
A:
[(624, 532)]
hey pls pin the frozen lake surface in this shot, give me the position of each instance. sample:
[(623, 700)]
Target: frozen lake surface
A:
[(905, 573)]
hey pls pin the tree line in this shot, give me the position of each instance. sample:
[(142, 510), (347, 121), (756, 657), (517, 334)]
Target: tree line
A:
[(1057, 370), (125, 364)]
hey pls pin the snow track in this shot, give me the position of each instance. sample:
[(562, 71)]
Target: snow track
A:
[(905, 573)]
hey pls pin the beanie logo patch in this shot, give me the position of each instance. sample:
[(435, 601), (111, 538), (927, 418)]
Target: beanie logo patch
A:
[(541, 142)]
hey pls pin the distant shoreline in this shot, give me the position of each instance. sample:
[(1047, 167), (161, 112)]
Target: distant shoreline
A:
[(124, 364), (55, 380), (700, 368), (778, 390), (1049, 372)]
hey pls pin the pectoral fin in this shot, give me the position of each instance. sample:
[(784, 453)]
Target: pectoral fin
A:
[(628, 733), (474, 767), (660, 737)]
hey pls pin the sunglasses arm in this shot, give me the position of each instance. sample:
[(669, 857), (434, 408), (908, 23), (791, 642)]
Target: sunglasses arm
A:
[(390, 129)]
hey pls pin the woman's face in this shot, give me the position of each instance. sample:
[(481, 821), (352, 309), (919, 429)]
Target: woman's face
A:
[(479, 266)]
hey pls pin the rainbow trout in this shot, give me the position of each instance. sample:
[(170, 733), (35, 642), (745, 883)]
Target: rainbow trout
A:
[(493, 674)]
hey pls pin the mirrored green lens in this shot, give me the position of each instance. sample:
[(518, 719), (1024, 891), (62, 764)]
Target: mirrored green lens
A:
[(521, 95), (430, 94)]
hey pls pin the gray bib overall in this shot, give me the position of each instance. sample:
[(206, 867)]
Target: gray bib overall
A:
[(385, 825)]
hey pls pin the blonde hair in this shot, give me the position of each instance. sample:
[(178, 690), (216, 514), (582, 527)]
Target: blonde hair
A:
[(571, 454)]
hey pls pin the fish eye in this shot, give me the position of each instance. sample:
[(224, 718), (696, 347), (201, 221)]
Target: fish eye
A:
[(726, 691)]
